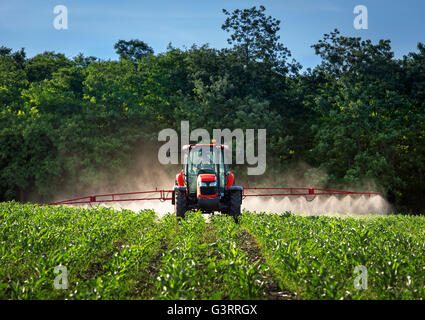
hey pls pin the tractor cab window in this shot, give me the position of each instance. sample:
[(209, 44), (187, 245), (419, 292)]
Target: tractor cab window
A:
[(202, 160)]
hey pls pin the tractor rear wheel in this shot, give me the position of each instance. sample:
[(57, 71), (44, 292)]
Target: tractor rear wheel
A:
[(180, 204), (235, 205)]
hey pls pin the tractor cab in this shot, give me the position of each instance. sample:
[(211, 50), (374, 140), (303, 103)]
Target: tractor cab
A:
[(205, 170), (204, 182)]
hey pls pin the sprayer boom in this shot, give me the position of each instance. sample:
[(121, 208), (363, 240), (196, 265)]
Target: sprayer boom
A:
[(166, 195)]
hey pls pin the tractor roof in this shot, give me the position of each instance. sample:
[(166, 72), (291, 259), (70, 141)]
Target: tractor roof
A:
[(187, 146)]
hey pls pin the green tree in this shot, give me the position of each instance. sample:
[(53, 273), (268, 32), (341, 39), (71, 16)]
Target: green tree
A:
[(368, 125), (133, 50), (42, 66)]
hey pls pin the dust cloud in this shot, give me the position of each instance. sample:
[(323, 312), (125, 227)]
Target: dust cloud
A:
[(301, 175), (147, 174), (320, 205)]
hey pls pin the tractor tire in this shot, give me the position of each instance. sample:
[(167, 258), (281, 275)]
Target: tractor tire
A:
[(235, 205), (180, 204)]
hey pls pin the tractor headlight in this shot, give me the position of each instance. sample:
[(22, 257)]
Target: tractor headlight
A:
[(207, 183), (202, 184)]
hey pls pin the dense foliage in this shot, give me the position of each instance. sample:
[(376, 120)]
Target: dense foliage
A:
[(67, 123), (121, 254)]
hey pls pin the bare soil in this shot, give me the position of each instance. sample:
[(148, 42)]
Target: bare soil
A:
[(271, 287)]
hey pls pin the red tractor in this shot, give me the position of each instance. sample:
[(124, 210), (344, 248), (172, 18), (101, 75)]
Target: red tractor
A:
[(205, 184)]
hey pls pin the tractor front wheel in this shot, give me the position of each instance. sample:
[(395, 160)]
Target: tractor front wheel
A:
[(180, 204), (235, 205)]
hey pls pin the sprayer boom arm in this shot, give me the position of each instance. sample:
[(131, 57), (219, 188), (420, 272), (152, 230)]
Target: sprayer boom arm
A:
[(276, 192), (164, 195), (161, 195)]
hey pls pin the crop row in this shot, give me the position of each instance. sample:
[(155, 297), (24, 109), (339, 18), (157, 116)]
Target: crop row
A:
[(205, 263), (344, 258), (104, 251)]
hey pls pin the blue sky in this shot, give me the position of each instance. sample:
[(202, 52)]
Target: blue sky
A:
[(94, 26)]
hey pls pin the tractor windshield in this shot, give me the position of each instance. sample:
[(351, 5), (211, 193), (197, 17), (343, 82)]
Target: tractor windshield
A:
[(205, 159)]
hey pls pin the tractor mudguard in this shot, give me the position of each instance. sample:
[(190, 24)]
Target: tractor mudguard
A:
[(180, 179)]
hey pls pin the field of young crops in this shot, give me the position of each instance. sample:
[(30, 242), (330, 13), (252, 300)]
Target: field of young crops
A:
[(112, 254)]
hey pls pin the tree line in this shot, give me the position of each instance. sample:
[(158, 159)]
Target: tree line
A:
[(359, 115)]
